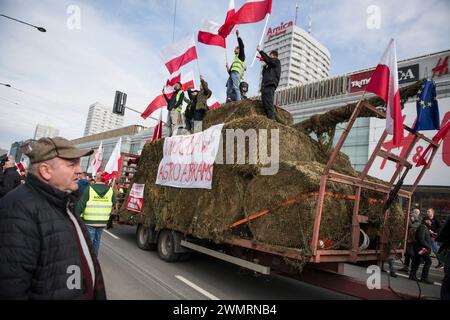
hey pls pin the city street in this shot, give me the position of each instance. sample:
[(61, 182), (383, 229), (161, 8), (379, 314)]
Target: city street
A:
[(131, 273)]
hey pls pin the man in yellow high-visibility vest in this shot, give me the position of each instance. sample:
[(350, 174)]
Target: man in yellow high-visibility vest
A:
[(236, 71), (95, 207)]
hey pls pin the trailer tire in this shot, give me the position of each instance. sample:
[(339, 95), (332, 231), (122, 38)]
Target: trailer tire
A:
[(143, 237), (166, 246)]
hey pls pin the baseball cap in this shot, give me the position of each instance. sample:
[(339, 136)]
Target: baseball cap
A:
[(49, 148)]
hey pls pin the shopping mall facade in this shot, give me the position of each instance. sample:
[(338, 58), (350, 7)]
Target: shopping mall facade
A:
[(322, 96)]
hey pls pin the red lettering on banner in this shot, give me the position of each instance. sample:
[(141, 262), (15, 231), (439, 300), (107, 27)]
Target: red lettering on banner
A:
[(191, 172)]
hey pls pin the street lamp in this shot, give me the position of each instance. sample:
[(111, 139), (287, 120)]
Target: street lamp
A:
[(39, 28)]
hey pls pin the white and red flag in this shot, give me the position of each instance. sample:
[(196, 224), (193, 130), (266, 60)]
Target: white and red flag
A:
[(209, 34), (213, 103), (157, 133), (228, 26), (114, 164), (252, 11), (179, 54), (384, 83), (96, 163), (187, 81), (174, 78)]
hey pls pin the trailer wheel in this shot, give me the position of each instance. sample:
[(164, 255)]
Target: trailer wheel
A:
[(143, 236), (166, 247)]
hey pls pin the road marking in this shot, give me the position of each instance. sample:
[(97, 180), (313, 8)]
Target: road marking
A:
[(114, 236), (196, 287), (405, 276)]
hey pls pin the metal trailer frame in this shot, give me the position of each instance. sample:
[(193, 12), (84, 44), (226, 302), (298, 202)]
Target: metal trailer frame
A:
[(325, 267), (355, 254)]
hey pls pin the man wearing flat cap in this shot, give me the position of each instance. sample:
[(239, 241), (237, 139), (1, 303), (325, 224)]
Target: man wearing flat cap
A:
[(45, 250)]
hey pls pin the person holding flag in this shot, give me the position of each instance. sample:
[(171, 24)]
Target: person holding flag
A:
[(270, 79), (174, 106), (236, 71)]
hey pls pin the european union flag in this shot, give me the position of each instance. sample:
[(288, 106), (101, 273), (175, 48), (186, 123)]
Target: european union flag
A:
[(427, 108)]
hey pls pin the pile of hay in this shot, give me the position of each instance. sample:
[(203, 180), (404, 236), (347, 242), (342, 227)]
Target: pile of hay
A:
[(239, 190)]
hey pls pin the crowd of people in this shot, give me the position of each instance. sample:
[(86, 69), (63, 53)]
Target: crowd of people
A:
[(426, 236), (179, 122)]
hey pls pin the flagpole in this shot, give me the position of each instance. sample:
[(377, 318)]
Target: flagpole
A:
[(198, 67), (262, 37)]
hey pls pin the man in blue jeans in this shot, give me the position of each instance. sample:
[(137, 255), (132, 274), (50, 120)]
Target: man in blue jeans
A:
[(95, 207), (236, 72)]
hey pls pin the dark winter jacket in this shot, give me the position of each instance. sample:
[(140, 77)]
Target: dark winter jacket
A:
[(423, 239), (444, 236), (203, 96), (173, 103), (271, 71), (435, 225), (191, 104), (41, 247), (11, 180)]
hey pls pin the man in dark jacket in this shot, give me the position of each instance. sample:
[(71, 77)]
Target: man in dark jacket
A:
[(95, 207), (174, 106), (11, 178), (435, 229), (270, 79), (201, 105), (444, 239), (236, 71), (45, 250), (422, 250), (189, 112)]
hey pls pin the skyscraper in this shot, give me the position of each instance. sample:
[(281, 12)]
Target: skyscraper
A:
[(303, 59), (100, 119), (43, 131)]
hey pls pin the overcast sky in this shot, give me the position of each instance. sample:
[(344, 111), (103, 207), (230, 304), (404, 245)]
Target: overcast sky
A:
[(56, 75)]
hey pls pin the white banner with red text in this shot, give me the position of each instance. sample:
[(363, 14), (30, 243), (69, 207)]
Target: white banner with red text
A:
[(188, 160), (136, 197)]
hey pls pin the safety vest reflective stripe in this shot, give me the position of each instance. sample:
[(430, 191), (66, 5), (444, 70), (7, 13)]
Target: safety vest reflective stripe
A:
[(98, 208), (177, 99), (238, 65)]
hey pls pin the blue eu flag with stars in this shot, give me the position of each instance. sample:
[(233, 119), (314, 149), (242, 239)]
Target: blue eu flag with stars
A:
[(427, 108)]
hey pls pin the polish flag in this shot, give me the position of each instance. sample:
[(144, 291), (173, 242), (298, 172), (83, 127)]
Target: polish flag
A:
[(176, 77), (157, 133), (213, 103), (178, 54), (209, 34), (114, 164), (384, 83), (252, 11), (227, 27), (96, 163), (187, 81)]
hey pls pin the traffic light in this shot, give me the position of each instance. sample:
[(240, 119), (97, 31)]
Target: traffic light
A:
[(120, 102)]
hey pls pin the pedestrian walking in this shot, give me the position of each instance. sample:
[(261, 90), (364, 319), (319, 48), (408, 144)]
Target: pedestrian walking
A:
[(45, 252), (414, 223), (444, 239), (422, 250), (435, 229)]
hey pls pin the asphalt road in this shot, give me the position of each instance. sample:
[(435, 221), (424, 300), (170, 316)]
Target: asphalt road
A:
[(134, 274)]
